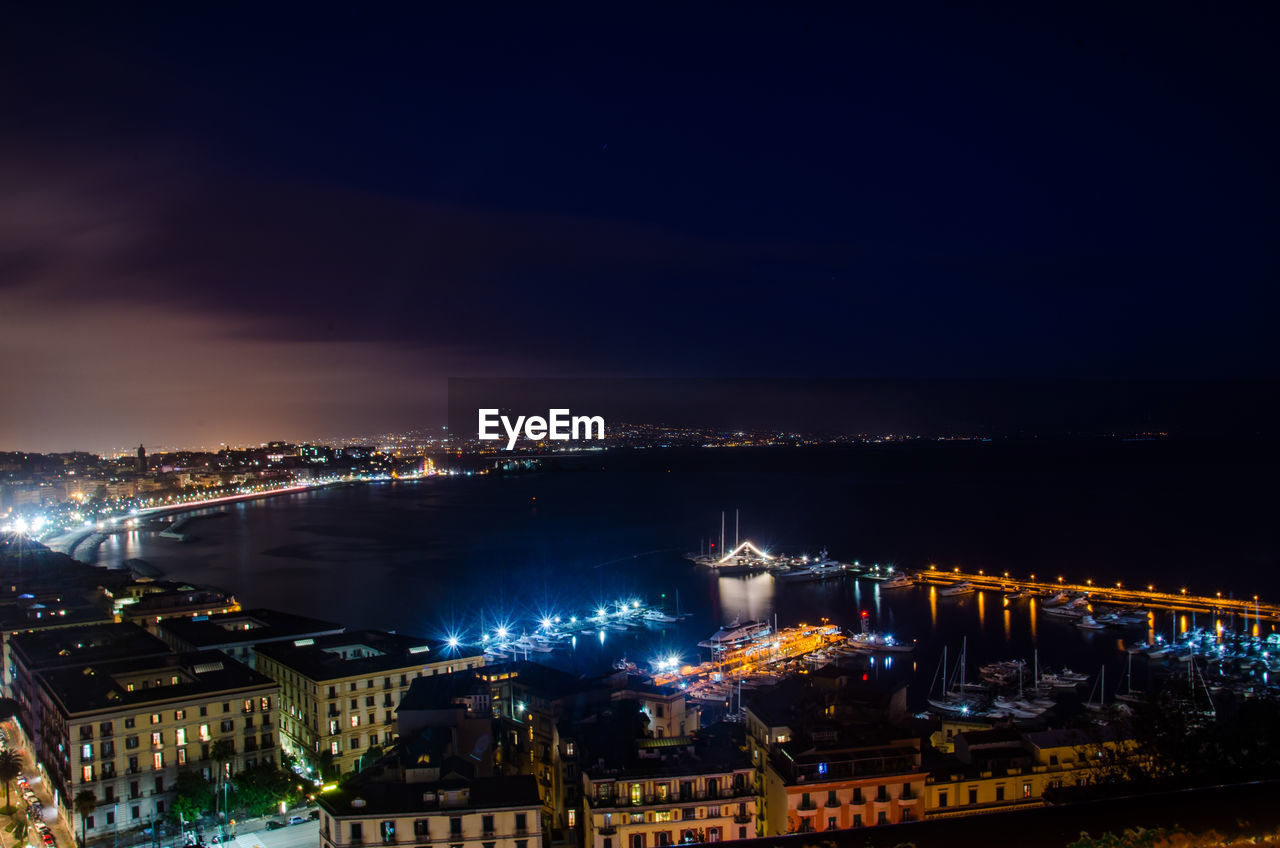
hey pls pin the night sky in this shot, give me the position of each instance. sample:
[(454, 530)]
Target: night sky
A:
[(264, 222)]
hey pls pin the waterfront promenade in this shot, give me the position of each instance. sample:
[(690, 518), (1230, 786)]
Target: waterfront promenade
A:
[(1117, 593)]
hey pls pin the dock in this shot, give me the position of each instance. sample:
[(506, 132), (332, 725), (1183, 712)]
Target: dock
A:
[(1116, 593)]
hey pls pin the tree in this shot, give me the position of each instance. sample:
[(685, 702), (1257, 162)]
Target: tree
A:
[(222, 752), (85, 803), (259, 790), (192, 796), (10, 770)]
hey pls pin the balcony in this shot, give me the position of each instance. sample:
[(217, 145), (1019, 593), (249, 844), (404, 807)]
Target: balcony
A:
[(831, 803), (608, 830), (743, 818), (808, 806)]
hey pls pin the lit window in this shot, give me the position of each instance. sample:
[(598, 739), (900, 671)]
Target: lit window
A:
[(86, 774), (157, 760), (157, 738), (204, 733), (355, 721), (86, 751), (180, 736), (155, 718)]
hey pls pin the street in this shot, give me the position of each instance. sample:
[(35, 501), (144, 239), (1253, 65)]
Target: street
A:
[(306, 835)]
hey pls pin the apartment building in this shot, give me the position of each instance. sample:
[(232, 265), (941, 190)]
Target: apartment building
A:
[(339, 693), (124, 728), (648, 791)]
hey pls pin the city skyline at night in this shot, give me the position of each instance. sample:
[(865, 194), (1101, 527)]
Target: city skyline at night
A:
[(215, 237)]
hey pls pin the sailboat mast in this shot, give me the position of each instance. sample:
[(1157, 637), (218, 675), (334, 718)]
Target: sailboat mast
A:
[(722, 533), (735, 529)]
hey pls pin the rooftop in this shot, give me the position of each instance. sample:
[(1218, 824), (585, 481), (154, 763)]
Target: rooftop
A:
[(361, 652), (368, 797), (148, 680), (245, 627), (80, 646), (442, 691)]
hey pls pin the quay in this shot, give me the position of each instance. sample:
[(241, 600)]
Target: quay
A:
[(757, 657), (1117, 593)]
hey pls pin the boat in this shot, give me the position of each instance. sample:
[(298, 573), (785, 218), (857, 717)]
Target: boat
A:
[(957, 700), (736, 634), (659, 616), (1129, 694), (1015, 595), (1057, 599), (964, 587), (1088, 622), (878, 643), (898, 581)]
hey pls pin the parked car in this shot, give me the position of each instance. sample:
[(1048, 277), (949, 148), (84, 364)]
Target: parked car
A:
[(275, 825), (297, 819), (314, 815)]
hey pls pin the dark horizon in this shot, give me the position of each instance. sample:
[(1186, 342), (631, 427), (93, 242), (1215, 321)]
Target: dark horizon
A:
[(220, 227)]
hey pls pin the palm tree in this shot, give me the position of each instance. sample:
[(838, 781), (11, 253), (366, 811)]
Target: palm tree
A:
[(10, 770), (85, 803), (222, 752)]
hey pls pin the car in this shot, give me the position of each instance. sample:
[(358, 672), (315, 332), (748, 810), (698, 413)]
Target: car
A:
[(297, 819), (314, 815), (275, 825)]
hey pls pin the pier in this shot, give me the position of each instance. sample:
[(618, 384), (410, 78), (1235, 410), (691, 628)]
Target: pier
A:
[(1116, 593), (757, 657)]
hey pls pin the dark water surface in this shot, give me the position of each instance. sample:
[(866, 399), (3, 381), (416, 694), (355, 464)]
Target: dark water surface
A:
[(446, 554)]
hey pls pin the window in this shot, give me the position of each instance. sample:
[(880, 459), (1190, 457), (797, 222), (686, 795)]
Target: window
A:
[(265, 703), (421, 827), (568, 749), (388, 831), (1000, 792), (248, 705), (204, 733), (368, 702), (882, 817), (180, 736), (942, 798), (832, 801), (831, 822), (333, 726), (857, 817), (522, 822), (455, 827), (1026, 790), (155, 718), (973, 795), (573, 818), (136, 812), (226, 706), (486, 824), (182, 756), (357, 831), (88, 822), (86, 774), (157, 738), (86, 751), (128, 723), (662, 791), (227, 725), (179, 715), (204, 709), (157, 760), (111, 817), (334, 747)]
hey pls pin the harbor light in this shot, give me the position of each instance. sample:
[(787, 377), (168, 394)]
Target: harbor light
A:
[(546, 623), (453, 641), (601, 612), (502, 632)]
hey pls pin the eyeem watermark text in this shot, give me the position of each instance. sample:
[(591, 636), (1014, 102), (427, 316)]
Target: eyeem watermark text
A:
[(558, 426)]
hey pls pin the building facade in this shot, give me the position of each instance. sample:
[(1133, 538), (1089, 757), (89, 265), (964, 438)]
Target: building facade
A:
[(123, 730), (339, 693)]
